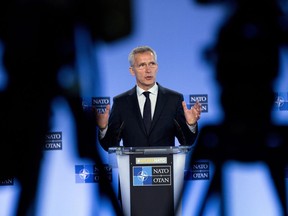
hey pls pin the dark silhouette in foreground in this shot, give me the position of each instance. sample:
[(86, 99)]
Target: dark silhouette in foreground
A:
[(246, 60), (38, 40)]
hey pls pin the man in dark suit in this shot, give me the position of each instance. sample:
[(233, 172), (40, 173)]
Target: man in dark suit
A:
[(170, 116)]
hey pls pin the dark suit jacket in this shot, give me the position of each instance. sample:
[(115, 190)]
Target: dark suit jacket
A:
[(126, 123)]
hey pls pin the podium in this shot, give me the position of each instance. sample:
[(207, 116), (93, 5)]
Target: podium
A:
[(151, 179)]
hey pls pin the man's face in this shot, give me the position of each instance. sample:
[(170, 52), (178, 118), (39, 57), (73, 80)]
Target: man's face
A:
[(144, 69)]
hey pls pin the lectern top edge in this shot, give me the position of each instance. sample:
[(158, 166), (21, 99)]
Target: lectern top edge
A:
[(149, 150)]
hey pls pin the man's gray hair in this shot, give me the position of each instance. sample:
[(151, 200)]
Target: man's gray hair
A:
[(140, 49)]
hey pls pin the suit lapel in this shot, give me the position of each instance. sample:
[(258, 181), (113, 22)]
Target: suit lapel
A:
[(135, 110), (132, 101), (160, 104)]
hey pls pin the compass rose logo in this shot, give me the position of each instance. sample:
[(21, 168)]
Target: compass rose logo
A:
[(84, 174), (142, 176), (279, 101)]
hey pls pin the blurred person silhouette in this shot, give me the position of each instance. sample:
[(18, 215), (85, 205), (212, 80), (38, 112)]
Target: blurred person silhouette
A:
[(246, 60), (169, 116), (38, 40)]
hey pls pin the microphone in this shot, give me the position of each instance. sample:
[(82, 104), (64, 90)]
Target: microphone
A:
[(120, 131), (179, 129)]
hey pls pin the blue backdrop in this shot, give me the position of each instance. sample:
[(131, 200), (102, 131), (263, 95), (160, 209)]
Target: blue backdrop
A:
[(179, 31)]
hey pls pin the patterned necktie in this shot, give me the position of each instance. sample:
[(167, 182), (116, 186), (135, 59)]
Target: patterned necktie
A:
[(147, 111)]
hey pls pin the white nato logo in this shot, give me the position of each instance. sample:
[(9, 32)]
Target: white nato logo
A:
[(84, 173), (280, 101), (142, 176)]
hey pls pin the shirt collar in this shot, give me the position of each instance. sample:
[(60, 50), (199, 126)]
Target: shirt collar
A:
[(152, 90)]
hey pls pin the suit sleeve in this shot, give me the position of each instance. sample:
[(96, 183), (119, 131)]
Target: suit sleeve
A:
[(112, 136), (184, 135)]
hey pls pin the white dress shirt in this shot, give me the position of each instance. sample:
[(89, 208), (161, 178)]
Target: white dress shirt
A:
[(153, 98)]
